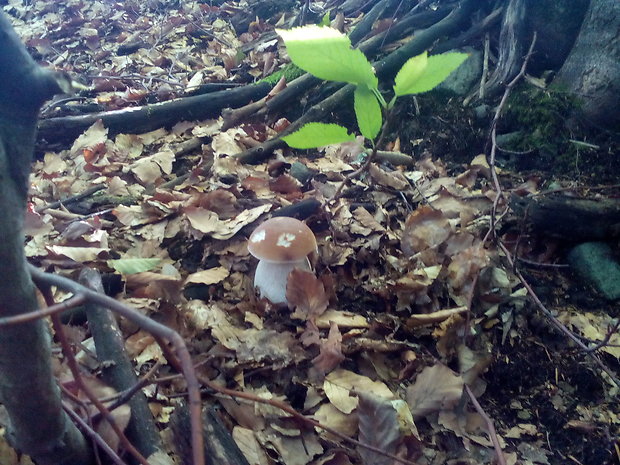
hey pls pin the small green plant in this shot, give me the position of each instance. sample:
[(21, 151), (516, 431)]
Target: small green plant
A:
[(327, 54)]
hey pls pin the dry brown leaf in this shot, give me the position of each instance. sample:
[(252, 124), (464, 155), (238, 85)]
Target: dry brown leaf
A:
[(210, 276), (378, 427), (149, 170), (594, 327), (423, 319), (306, 293), (160, 458), (329, 415), (330, 354), (369, 223), (79, 254), (249, 446), (95, 135), (227, 143), (463, 271), (341, 386), (298, 450), (343, 319), (208, 222), (425, 228), (435, 388), (395, 179), (220, 201), (121, 415), (285, 184)]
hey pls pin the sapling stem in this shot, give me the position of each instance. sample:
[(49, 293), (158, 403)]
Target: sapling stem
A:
[(387, 118)]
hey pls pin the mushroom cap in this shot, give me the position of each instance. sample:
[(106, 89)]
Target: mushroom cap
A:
[(281, 239)]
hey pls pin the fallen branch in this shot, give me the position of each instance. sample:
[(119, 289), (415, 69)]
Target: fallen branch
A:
[(120, 373)]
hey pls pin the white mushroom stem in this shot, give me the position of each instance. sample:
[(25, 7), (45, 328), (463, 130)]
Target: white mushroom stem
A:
[(271, 278)]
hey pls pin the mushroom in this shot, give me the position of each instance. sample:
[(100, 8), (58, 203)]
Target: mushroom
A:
[(281, 244)]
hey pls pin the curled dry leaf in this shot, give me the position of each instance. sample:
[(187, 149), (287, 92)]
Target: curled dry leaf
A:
[(210, 276), (208, 222), (424, 319), (330, 416), (463, 271)]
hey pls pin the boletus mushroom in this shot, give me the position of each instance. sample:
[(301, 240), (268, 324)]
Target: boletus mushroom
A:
[(281, 244)]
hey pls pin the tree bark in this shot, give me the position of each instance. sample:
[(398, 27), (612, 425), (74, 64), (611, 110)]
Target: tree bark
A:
[(37, 424), (592, 69)]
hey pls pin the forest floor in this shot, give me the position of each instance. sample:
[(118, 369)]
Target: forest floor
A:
[(415, 297)]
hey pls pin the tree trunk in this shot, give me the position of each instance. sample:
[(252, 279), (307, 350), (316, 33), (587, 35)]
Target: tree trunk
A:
[(592, 70), (38, 426)]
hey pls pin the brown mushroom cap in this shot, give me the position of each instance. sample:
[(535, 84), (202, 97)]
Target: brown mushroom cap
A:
[(281, 239)]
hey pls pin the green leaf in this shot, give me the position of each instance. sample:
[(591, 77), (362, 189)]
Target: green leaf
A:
[(367, 111), (325, 21), (327, 54), (314, 135), (410, 73), (437, 69), (134, 265)]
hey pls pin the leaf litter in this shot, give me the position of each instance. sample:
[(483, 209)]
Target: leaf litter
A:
[(408, 304)]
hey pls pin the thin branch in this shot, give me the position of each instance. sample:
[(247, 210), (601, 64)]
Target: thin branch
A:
[(72, 199), (43, 312), (85, 427), (368, 161), (490, 427)]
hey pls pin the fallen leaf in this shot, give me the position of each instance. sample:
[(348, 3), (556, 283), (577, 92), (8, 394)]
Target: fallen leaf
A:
[(435, 388), (330, 354), (341, 387), (210, 276), (306, 293), (425, 228), (378, 427), (208, 222)]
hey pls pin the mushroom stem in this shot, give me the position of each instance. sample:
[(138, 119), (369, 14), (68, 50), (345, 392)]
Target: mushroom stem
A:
[(271, 278)]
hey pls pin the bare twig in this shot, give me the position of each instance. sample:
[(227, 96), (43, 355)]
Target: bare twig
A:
[(490, 427), (72, 199), (493, 133), (367, 162), (85, 427), (42, 313)]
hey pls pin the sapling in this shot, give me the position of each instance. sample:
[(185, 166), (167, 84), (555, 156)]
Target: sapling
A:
[(327, 54)]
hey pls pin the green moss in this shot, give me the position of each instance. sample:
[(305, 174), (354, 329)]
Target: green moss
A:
[(549, 133), (290, 71), (540, 117)]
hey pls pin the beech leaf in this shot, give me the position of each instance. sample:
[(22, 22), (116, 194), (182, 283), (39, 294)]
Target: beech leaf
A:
[(314, 135), (378, 427), (435, 388), (307, 294)]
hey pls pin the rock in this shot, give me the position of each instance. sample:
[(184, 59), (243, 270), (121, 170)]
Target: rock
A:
[(466, 76), (595, 262)]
